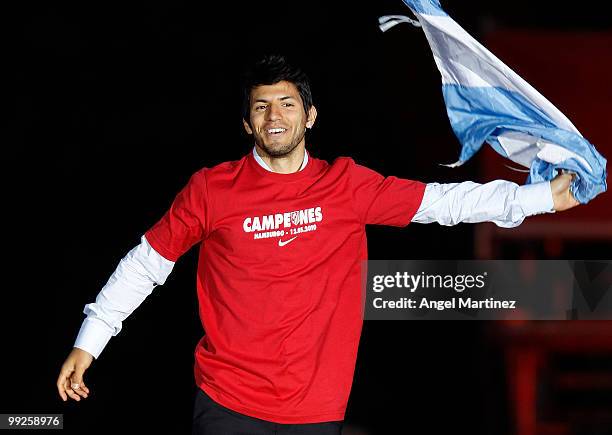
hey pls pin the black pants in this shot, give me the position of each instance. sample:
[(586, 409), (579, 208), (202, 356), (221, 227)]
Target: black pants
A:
[(210, 418)]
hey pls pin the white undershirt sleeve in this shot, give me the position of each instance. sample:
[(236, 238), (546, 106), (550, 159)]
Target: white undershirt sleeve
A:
[(504, 203), (137, 274)]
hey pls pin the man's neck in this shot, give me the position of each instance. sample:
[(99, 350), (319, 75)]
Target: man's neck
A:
[(288, 164)]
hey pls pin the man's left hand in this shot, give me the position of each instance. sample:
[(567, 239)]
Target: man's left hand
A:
[(562, 197)]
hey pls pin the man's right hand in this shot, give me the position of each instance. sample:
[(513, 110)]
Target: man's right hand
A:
[(70, 381)]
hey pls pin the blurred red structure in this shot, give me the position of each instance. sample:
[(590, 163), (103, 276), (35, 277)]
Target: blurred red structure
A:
[(530, 348), (573, 71)]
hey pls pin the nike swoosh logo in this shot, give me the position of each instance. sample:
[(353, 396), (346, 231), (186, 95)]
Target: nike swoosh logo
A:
[(281, 243)]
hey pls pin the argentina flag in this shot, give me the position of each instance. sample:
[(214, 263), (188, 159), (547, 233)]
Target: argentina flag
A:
[(488, 102)]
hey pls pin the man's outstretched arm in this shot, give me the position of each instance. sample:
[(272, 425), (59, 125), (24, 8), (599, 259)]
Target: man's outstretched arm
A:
[(502, 202), (134, 279)]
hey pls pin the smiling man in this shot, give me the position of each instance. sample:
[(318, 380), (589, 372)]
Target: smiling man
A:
[(276, 119), (279, 272)]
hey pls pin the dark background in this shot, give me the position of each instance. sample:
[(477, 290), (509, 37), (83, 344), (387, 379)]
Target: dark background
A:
[(119, 103)]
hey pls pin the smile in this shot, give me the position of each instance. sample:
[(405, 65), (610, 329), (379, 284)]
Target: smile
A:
[(275, 131)]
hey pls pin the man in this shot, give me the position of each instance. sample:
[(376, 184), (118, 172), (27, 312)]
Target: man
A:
[(283, 238)]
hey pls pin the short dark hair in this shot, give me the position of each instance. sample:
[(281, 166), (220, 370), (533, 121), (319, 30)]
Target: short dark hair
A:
[(272, 69)]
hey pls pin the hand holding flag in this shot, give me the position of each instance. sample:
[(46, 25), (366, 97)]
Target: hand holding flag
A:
[(488, 102)]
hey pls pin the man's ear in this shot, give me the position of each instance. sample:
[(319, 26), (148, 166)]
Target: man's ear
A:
[(247, 127), (312, 116)]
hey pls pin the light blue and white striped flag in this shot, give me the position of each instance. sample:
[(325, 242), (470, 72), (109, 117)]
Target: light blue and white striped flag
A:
[(488, 102)]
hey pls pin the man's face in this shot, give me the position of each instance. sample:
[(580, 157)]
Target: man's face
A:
[(277, 118)]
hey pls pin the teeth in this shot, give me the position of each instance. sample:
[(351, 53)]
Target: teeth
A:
[(276, 130)]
